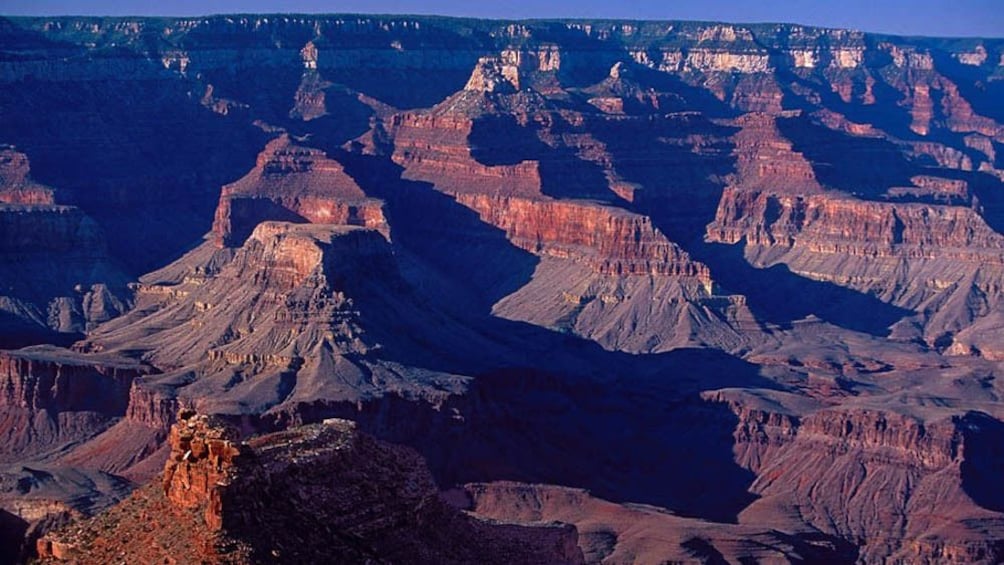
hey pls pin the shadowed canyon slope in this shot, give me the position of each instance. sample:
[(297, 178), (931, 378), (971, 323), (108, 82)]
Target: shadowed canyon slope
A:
[(636, 292), (352, 499)]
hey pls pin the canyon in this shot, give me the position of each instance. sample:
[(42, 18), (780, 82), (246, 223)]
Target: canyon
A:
[(452, 290), (238, 501)]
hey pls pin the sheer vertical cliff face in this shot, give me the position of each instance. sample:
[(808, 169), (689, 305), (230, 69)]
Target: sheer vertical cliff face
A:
[(51, 399), (434, 147), (204, 460), (607, 239), (325, 491)]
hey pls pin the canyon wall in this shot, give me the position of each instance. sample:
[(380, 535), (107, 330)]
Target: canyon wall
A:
[(744, 281)]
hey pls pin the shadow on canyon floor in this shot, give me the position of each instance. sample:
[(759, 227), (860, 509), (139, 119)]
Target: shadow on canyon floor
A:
[(681, 192), (16, 333), (444, 234), (779, 296), (143, 158), (629, 428), (983, 463), (640, 434)]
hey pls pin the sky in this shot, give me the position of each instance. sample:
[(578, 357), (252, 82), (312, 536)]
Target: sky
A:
[(951, 18)]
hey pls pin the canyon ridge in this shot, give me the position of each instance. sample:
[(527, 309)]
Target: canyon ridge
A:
[(395, 289)]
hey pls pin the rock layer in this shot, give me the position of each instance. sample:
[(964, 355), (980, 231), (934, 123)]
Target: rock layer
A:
[(51, 398), (321, 493), (569, 251), (292, 182), (914, 476)]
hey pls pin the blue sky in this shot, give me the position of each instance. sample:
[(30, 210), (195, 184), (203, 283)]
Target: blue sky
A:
[(905, 17)]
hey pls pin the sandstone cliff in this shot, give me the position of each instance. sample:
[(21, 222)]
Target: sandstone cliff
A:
[(52, 398), (320, 493), (292, 182)]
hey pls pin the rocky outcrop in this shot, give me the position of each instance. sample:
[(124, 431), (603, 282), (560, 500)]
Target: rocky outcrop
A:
[(491, 74), (766, 159), (610, 240), (319, 493), (151, 406), (16, 185), (204, 461), (832, 224), (763, 426), (931, 446), (292, 182), (435, 148)]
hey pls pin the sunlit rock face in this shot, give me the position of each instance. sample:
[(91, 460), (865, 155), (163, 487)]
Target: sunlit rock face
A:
[(252, 501)]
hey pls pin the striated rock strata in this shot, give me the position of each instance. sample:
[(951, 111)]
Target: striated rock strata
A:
[(319, 493), (51, 398), (920, 476), (292, 182)]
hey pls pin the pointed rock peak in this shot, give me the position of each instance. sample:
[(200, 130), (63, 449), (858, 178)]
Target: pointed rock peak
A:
[(309, 56), (491, 74), (620, 70), (16, 184)]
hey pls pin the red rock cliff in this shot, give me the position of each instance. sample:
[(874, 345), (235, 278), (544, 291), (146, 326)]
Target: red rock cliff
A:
[(318, 493), (291, 182), (49, 396)]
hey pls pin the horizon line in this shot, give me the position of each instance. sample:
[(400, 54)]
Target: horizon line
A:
[(498, 19)]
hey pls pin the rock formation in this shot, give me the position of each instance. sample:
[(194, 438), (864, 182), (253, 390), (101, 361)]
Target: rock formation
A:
[(292, 182), (59, 276), (51, 398), (706, 291), (16, 182), (291, 309), (319, 493), (920, 473)]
